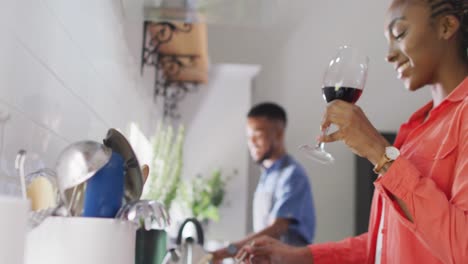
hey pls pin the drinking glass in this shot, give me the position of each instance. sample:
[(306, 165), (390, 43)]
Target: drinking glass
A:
[(344, 79)]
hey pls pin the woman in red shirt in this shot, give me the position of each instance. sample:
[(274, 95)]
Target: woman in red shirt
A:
[(420, 207)]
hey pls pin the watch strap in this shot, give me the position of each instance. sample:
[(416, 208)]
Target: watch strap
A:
[(380, 165)]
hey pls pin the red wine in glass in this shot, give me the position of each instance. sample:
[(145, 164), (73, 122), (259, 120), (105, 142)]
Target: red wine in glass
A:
[(348, 94), (344, 79)]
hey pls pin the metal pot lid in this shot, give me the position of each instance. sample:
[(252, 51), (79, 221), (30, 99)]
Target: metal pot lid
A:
[(133, 177)]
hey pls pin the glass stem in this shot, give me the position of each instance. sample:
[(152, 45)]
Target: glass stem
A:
[(321, 145)]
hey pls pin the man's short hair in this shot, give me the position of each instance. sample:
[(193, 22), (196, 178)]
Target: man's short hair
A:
[(270, 111)]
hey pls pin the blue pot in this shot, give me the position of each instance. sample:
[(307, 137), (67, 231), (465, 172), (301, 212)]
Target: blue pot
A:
[(105, 189)]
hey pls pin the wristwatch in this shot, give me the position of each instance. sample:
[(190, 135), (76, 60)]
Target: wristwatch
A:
[(391, 154), (232, 249)]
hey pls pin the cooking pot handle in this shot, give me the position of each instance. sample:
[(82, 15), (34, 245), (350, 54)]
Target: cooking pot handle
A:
[(198, 227)]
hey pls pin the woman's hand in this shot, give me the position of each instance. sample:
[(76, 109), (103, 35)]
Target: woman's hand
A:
[(219, 255), (266, 250), (354, 129)]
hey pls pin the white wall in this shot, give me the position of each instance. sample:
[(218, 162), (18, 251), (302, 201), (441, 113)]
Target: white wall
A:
[(293, 56), (69, 70), (215, 120)]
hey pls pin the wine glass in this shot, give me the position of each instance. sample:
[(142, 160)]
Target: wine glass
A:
[(344, 79)]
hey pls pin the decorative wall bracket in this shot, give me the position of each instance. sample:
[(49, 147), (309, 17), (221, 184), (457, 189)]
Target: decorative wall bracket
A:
[(170, 83)]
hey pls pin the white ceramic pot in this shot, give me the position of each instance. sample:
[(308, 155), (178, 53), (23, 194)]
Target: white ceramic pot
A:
[(78, 240), (13, 228)]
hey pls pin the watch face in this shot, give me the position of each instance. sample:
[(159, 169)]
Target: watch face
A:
[(231, 249), (392, 152)]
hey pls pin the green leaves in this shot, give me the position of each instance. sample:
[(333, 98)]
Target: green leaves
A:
[(204, 195)]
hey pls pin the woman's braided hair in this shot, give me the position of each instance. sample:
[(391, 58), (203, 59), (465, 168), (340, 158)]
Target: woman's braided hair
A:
[(458, 8)]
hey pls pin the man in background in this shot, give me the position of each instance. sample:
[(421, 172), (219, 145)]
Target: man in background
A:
[(283, 205)]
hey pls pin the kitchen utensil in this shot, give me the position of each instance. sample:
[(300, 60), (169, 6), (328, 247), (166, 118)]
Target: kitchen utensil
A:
[(44, 196), (148, 214), (151, 218), (144, 172), (41, 188), (133, 177), (104, 190), (35, 218), (80, 161), (75, 166), (90, 176), (19, 165)]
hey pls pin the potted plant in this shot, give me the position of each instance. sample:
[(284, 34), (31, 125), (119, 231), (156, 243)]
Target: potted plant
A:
[(204, 196)]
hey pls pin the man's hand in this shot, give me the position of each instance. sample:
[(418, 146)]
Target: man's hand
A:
[(275, 229), (266, 250)]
